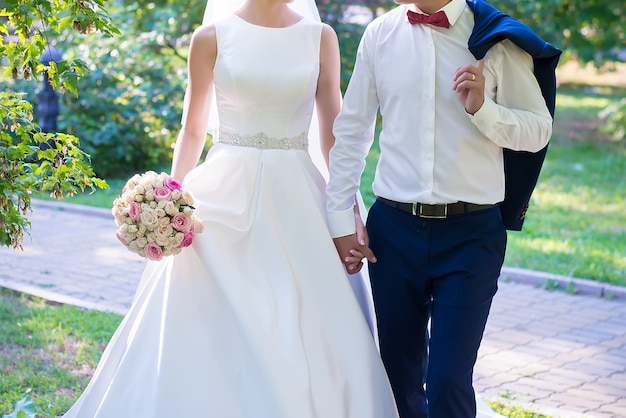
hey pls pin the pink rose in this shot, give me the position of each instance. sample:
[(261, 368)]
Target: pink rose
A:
[(134, 210), (153, 251), (162, 193), (182, 222), (187, 240), (120, 235), (172, 184)]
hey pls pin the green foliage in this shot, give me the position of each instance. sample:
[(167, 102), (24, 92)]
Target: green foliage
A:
[(133, 128), (35, 23), (128, 108), (349, 35), (615, 115), (510, 410), (30, 159), (24, 408), (167, 23), (589, 30)]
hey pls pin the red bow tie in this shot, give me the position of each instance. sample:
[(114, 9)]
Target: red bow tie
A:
[(436, 19)]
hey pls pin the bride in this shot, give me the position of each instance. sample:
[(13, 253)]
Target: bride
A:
[(257, 317)]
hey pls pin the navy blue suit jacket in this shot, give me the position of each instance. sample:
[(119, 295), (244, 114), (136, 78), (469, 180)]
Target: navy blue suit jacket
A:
[(521, 168)]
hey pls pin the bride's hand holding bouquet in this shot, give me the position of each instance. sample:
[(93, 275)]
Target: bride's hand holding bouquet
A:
[(155, 216)]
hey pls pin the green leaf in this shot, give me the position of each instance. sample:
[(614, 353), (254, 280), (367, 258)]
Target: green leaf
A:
[(24, 408)]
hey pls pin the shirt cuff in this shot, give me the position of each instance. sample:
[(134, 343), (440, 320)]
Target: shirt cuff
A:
[(486, 117), (341, 223)]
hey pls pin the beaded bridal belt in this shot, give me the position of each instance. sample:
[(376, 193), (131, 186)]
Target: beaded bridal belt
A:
[(263, 141)]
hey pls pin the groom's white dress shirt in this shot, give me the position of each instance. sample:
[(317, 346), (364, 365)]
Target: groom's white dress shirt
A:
[(432, 151)]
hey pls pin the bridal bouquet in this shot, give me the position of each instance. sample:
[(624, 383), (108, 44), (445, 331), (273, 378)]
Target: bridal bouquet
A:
[(155, 216)]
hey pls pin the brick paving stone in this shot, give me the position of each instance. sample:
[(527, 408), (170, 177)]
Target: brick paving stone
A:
[(593, 393), (543, 351), (607, 386), (600, 414), (598, 365), (555, 344), (585, 336), (616, 408), (529, 393), (511, 338), (564, 378), (574, 402)]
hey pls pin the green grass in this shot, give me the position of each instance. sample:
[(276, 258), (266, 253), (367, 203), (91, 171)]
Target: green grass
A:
[(576, 225), (514, 411), (48, 351)]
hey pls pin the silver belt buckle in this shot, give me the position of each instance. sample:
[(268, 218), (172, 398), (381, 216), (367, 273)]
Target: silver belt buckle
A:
[(418, 210)]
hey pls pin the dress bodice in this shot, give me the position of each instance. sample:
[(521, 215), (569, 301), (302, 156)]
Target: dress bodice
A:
[(266, 78)]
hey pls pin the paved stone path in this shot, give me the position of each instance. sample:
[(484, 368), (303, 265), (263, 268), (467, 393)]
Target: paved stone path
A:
[(558, 354)]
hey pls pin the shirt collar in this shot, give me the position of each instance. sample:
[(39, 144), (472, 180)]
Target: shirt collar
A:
[(453, 10)]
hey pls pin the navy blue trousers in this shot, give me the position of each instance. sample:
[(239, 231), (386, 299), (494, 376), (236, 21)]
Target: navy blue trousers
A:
[(440, 270)]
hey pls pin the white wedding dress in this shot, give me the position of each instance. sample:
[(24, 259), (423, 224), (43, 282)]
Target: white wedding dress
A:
[(257, 318)]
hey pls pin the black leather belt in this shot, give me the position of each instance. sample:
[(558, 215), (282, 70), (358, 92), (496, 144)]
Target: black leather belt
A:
[(438, 211)]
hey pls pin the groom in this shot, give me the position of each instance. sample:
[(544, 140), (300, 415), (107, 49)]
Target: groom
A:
[(466, 95)]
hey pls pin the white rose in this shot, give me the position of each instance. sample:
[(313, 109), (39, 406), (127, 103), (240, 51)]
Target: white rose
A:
[(149, 218), (163, 231), (171, 209), (178, 238), (176, 194), (198, 226), (188, 197)]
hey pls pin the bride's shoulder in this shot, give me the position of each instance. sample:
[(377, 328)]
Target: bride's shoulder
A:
[(204, 42), (204, 33), (320, 28), (328, 33)]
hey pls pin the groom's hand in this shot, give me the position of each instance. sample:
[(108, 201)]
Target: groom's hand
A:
[(469, 84), (351, 253)]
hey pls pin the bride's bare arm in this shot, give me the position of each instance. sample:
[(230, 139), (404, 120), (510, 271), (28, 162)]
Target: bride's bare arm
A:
[(328, 101), (192, 136), (328, 95)]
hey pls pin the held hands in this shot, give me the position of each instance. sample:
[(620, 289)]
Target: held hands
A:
[(469, 84), (353, 248)]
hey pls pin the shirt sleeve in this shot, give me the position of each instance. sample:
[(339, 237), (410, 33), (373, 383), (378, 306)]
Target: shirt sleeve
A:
[(514, 114), (354, 134)]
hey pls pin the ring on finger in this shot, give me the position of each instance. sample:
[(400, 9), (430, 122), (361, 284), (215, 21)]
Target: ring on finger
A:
[(473, 77)]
